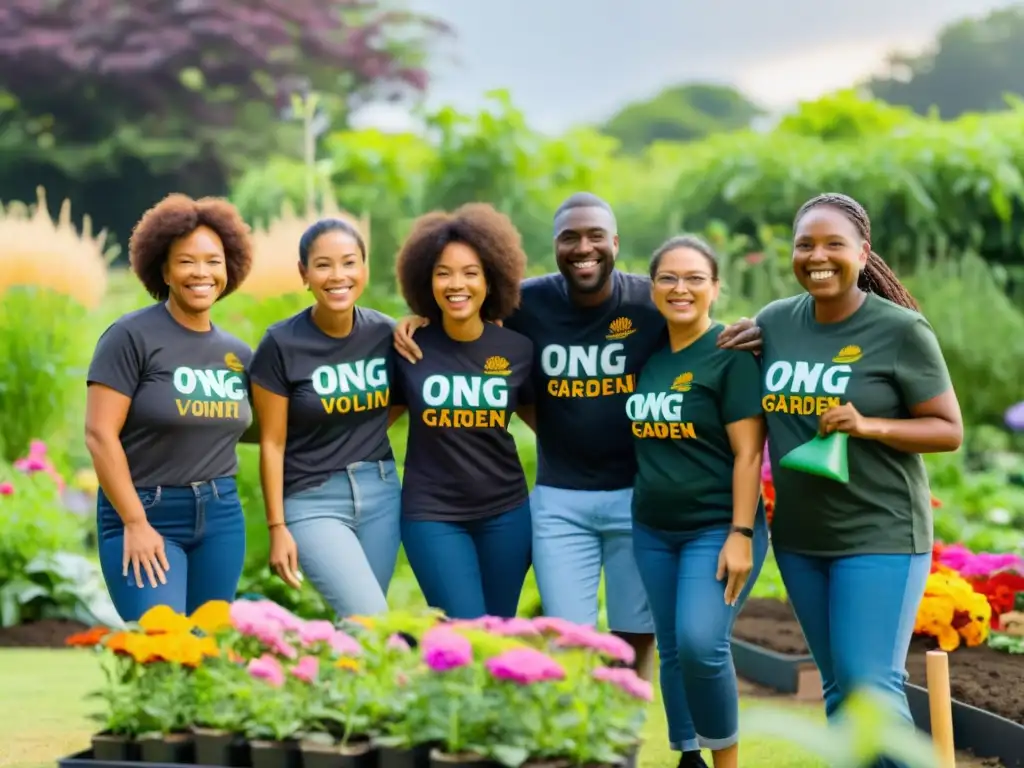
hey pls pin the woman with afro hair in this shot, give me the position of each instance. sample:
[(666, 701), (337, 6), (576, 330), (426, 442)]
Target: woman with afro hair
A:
[(466, 523), (167, 404)]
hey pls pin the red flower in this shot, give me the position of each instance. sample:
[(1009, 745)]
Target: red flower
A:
[(1001, 590)]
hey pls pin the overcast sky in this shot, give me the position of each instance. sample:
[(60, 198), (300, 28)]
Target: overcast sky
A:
[(569, 61)]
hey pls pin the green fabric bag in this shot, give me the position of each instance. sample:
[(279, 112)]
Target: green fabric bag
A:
[(822, 456)]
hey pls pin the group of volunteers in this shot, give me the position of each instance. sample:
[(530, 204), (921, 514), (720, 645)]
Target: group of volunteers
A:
[(650, 418)]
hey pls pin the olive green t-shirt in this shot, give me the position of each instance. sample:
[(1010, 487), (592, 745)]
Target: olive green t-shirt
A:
[(884, 359), (683, 402)]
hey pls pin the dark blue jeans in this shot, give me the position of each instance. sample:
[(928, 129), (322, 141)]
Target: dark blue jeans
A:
[(857, 613), (473, 568), (204, 538), (693, 627)]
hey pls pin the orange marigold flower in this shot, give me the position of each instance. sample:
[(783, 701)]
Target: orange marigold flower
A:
[(212, 617), (89, 637), (161, 619)]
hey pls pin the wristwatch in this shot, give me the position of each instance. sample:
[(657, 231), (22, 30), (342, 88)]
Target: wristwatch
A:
[(748, 532)]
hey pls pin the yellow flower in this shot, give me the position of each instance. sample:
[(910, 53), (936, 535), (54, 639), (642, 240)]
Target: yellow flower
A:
[(363, 621), (212, 617), (347, 663), (162, 619)]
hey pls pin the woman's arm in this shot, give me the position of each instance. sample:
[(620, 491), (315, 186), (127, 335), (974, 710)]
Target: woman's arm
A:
[(105, 413), (272, 411), (395, 414), (747, 440), (935, 426)]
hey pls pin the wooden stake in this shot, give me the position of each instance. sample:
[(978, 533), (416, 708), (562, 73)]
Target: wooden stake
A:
[(940, 705)]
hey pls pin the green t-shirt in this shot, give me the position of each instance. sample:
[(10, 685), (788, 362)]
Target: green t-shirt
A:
[(679, 412), (883, 359)]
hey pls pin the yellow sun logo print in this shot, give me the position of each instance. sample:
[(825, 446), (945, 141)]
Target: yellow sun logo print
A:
[(682, 383), (850, 354), (497, 366), (620, 328), (233, 363)]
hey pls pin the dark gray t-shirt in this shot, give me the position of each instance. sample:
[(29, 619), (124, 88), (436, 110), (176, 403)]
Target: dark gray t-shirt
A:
[(338, 393), (189, 391), (461, 462)]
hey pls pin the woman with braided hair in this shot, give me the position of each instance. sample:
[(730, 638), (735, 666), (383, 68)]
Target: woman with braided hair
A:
[(852, 354)]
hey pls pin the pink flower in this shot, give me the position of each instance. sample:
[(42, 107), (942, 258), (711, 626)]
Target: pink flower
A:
[(766, 465), (970, 565), (251, 618), (553, 625), (6, 489), (486, 623), (315, 632), (525, 666), (344, 644), (307, 669), (267, 668), (516, 628), (607, 645), (397, 643), (626, 680), (445, 649)]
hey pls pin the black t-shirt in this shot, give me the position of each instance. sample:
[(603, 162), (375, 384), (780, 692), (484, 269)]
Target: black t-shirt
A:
[(338, 393), (586, 363), (461, 462), (189, 391)]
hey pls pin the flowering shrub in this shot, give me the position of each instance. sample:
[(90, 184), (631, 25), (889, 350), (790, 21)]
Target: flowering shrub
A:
[(951, 611), (507, 690)]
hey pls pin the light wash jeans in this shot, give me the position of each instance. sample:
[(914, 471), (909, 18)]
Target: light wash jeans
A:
[(693, 627), (347, 533), (575, 534), (857, 613)]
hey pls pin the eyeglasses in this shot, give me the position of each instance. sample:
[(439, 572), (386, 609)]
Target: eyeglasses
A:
[(669, 282)]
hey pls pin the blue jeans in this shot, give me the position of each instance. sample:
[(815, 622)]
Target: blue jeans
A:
[(857, 613), (474, 568), (347, 533), (204, 539), (575, 533), (693, 627)]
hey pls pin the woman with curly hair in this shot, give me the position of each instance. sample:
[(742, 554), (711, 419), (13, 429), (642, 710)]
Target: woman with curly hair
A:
[(167, 404), (466, 523), (321, 388)]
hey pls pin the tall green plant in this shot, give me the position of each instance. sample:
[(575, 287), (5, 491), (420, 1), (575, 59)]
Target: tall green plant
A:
[(44, 349)]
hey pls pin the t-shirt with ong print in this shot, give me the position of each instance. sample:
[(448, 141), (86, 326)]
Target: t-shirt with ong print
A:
[(338, 390), (189, 395), (884, 359), (585, 366), (461, 462)]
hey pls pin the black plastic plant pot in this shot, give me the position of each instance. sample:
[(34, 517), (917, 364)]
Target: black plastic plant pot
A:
[(360, 754), (778, 671), (275, 754), (982, 733), (169, 749), (401, 757), (115, 748), (442, 759), (221, 748)]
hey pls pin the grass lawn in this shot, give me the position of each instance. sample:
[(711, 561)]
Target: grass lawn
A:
[(44, 715)]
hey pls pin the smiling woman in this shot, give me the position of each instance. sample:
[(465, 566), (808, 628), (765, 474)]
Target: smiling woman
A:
[(466, 522), (167, 404)]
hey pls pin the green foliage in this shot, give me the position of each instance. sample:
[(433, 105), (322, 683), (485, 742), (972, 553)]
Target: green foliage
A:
[(845, 115), (681, 113), (971, 67), (44, 352)]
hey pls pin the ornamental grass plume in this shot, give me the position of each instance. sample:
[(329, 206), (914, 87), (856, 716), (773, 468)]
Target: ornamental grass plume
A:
[(37, 252)]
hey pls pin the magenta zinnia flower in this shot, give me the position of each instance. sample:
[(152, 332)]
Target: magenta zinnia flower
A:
[(625, 680), (344, 644), (307, 669), (553, 625), (516, 628), (267, 668), (607, 645), (444, 649), (397, 643), (525, 666), (312, 632)]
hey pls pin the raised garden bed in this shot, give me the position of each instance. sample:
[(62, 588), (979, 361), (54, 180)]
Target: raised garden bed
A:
[(47, 633), (987, 685)]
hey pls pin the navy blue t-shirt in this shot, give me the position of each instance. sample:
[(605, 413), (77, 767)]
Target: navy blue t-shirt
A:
[(586, 363)]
